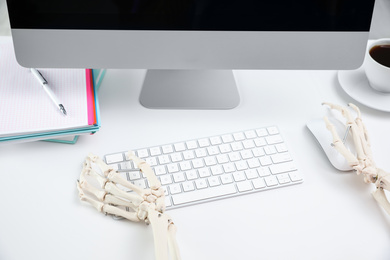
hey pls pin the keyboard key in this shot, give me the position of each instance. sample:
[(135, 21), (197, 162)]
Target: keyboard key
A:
[(281, 148), (176, 157), (237, 146), (164, 159), (140, 183), (239, 136), (244, 186), (125, 165), (143, 153), (173, 167), (281, 157), (222, 158), (212, 150), (227, 138), (192, 145), (167, 148), (270, 149), (241, 165), (251, 174), (201, 183), (264, 171), (175, 188), (204, 172), (250, 134), (271, 181), (225, 148), (214, 181), (179, 147), (283, 178), (248, 144), (155, 151), (226, 178), (188, 186), (257, 152), (209, 161), (228, 167), (265, 160), (246, 154), (272, 130), (186, 165), (114, 158), (215, 140), (216, 170), (201, 152), (204, 142), (198, 163), (260, 142), (166, 179), (282, 167), (253, 163), (261, 132), (134, 175), (211, 192), (295, 176), (239, 176), (191, 175), (235, 156), (259, 183), (274, 139), (160, 170), (152, 161), (178, 177), (188, 155)]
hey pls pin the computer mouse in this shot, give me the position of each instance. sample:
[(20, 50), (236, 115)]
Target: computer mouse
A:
[(324, 137)]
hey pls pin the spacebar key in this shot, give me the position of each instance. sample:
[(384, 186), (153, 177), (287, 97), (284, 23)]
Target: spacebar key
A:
[(208, 193)]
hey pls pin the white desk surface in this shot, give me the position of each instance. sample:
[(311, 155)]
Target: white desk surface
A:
[(332, 215)]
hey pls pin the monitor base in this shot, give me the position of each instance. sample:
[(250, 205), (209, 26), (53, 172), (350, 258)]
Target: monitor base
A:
[(189, 89)]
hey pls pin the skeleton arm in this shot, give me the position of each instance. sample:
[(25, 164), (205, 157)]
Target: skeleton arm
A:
[(147, 204), (363, 162)]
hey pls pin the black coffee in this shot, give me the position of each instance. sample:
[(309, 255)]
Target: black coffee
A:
[(381, 53)]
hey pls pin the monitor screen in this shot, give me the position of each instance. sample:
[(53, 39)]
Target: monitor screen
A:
[(203, 15), (201, 35)]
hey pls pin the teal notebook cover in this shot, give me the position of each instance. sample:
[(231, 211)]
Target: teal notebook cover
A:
[(98, 75)]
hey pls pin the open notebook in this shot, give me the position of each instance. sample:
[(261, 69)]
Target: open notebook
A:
[(26, 111)]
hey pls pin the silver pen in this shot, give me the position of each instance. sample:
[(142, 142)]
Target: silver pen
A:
[(47, 89)]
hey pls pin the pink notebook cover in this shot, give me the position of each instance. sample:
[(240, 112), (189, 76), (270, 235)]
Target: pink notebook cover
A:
[(90, 98)]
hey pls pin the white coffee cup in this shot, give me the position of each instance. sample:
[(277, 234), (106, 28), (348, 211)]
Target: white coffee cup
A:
[(377, 74)]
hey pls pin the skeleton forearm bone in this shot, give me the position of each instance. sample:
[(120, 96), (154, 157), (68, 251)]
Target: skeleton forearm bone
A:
[(147, 204), (363, 163)]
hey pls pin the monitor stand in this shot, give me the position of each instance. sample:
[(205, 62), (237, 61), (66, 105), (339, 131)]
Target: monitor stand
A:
[(189, 89)]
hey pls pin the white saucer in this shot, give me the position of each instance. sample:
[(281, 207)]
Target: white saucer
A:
[(355, 84)]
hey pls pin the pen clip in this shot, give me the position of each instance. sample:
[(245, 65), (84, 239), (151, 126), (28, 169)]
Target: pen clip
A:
[(44, 80)]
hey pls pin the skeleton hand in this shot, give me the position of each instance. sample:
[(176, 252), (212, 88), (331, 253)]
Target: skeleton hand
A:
[(363, 162), (146, 204)]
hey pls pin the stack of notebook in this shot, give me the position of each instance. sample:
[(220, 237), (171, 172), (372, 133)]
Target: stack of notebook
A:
[(26, 111)]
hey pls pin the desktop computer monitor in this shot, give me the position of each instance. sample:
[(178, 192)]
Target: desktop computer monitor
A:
[(190, 47)]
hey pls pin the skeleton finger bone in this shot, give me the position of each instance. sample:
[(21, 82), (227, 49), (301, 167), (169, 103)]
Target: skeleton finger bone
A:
[(146, 169), (339, 145)]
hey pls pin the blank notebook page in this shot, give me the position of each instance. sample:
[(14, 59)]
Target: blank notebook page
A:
[(26, 108)]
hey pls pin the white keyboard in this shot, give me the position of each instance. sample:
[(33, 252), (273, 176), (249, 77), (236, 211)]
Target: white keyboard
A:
[(216, 167)]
